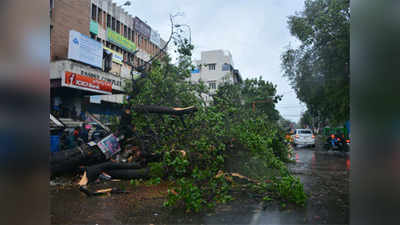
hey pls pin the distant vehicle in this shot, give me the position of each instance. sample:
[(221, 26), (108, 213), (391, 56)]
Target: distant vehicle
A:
[(337, 142), (304, 137)]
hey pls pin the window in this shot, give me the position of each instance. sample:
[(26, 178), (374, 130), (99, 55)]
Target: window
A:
[(129, 34), (212, 85), (113, 24), (226, 67), (304, 132), (211, 66), (51, 7), (94, 12), (108, 21), (118, 27), (133, 36), (99, 16), (125, 31), (140, 40)]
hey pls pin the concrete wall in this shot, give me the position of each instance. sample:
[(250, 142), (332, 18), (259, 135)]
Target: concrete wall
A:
[(218, 57), (68, 15), (76, 15)]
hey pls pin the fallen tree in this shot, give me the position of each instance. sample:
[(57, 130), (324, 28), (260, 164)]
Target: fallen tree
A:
[(116, 171), (89, 154), (164, 110), (68, 161)]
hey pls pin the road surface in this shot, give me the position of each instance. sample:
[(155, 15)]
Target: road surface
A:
[(325, 176)]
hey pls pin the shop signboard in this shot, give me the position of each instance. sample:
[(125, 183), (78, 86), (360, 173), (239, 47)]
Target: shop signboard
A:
[(78, 81), (120, 40), (117, 82), (155, 38), (109, 146), (196, 70), (84, 49), (95, 99), (94, 27), (116, 56), (102, 33), (142, 28)]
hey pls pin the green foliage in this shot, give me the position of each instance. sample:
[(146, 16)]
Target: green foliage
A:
[(290, 189), (156, 169), (135, 182), (307, 120), (193, 156), (319, 68), (153, 181)]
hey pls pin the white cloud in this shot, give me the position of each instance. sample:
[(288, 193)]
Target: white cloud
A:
[(255, 31)]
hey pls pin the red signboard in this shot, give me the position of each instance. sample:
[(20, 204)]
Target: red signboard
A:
[(79, 81)]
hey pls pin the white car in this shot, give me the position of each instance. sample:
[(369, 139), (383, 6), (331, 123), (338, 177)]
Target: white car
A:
[(304, 137)]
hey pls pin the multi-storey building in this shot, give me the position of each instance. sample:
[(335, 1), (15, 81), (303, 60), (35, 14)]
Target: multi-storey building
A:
[(93, 45), (214, 68)]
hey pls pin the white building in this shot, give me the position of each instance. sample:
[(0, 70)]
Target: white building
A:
[(214, 68)]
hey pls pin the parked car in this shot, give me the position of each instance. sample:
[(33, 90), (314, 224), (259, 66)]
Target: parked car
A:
[(304, 137)]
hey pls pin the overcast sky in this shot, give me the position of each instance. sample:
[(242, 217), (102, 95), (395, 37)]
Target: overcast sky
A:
[(254, 31)]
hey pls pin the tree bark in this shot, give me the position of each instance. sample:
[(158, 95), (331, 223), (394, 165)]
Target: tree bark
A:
[(117, 171), (164, 110), (70, 160)]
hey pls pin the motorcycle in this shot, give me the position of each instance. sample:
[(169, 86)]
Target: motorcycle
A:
[(337, 142)]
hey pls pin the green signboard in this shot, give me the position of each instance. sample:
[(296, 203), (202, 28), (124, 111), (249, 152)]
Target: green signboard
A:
[(94, 27), (120, 40)]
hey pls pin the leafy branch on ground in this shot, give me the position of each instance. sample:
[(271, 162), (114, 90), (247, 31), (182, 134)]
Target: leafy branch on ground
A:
[(198, 153)]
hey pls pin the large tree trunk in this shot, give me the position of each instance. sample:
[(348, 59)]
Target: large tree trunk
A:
[(117, 171), (70, 160), (127, 174), (163, 109)]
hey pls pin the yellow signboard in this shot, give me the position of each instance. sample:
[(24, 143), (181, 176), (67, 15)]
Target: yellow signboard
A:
[(116, 56), (120, 40)]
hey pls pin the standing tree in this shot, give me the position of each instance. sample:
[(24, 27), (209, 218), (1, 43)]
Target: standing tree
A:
[(319, 68)]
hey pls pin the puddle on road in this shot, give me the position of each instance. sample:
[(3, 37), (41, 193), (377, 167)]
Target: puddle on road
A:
[(325, 176)]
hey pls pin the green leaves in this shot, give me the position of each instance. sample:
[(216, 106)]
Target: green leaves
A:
[(319, 68), (194, 155)]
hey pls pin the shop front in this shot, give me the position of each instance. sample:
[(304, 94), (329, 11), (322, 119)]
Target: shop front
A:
[(72, 85)]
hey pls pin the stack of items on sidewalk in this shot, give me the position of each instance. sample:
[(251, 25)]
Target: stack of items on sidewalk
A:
[(108, 155)]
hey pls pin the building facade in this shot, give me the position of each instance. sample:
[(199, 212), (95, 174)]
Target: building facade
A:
[(215, 68), (93, 44)]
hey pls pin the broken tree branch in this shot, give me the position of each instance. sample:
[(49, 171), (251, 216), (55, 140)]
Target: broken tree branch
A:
[(164, 110)]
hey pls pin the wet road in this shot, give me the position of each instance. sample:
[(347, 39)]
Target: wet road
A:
[(325, 176)]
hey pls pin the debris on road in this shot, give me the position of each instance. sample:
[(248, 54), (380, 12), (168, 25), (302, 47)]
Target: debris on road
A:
[(114, 156), (102, 191)]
